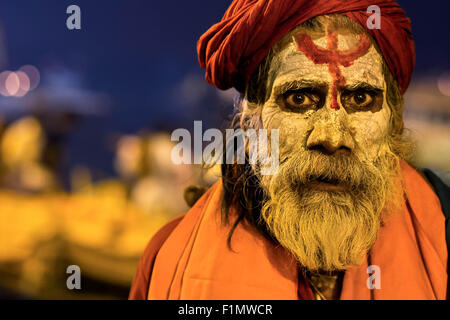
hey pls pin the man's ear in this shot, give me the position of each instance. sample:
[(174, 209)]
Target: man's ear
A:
[(192, 194)]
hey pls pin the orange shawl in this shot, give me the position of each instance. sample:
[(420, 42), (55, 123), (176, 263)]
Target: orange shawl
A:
[(195, 262)]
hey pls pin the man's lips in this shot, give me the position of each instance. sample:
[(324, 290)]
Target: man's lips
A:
[(327, 185)]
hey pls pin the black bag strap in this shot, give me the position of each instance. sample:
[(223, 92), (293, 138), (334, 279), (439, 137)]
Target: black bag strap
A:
[(443, 192)]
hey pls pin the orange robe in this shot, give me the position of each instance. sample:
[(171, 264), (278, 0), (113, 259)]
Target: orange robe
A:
[(189, 257)]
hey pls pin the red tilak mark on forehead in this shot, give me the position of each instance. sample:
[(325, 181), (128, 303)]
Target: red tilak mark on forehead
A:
[(333, 57)]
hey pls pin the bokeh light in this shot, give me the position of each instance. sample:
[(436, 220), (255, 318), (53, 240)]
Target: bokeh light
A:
[(33, 74), (3, 76), (12, 84), (19, 83), (444, 84), (24, 84)]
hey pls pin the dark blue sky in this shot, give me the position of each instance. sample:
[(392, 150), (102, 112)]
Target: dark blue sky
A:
[(138, 51)]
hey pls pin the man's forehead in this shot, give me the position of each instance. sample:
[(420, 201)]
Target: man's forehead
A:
[(292, 63)]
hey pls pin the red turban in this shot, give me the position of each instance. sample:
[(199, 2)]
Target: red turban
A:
[(232, 49)]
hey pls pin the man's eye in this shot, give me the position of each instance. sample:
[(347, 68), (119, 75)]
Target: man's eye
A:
[(358, 99), (299, 100)]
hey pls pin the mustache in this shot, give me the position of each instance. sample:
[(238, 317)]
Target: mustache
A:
[(302, 168)]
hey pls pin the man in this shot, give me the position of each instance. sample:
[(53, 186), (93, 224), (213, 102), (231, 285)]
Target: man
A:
[(345, 216)]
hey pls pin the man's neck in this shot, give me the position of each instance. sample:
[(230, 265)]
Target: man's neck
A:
[(326, 285)]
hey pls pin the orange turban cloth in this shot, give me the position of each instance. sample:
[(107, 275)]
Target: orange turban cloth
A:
[(231, 50)]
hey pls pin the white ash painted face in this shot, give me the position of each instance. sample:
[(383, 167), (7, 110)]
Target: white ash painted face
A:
[(300, 103)]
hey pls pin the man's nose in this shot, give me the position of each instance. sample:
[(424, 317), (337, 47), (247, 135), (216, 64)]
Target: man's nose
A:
[(330, 136)]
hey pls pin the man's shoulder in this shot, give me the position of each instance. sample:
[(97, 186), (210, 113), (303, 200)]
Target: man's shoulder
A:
[(158, 239), (196, 198), (161, 236), (142, 278), (143, 275)]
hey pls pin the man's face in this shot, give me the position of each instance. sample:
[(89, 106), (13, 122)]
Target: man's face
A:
[(328, 101), (301, 100)]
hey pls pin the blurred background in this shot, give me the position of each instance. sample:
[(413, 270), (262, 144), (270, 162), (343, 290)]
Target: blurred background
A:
[(85, 123)]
